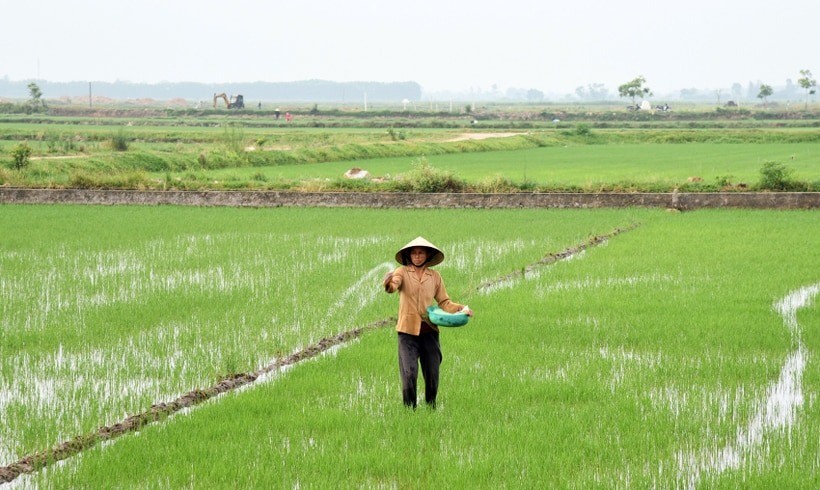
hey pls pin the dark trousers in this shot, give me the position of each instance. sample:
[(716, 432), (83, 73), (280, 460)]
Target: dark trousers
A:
[(424, 349)]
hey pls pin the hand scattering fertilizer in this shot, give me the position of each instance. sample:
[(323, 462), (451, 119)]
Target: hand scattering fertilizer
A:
[(444, 319)]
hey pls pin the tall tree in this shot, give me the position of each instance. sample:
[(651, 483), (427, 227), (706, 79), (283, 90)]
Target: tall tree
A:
[(765, 91), (807, 83), (36, 101), (634, 89)]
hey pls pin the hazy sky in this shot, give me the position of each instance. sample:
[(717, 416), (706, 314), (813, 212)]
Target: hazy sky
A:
[(443, 45)]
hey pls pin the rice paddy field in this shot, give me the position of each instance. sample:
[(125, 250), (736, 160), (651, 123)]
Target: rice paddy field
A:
[(610, 348), (254, 151), (572, 165)]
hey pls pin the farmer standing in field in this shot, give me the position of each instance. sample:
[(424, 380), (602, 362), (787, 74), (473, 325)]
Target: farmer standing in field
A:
[(419, 287)]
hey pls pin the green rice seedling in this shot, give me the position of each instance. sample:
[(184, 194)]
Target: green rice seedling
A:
[(668, 356), (632, 363), (107, 310)]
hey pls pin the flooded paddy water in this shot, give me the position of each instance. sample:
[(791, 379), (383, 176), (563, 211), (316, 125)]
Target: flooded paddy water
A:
[(246, 319)]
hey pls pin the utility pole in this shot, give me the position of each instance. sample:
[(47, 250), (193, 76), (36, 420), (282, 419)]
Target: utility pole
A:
[(89, 95)]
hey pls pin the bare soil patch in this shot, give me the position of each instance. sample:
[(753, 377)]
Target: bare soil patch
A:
[(59, 157), (481, 136)]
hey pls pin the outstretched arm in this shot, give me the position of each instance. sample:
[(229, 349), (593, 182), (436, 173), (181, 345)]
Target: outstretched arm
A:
[(391, 282)]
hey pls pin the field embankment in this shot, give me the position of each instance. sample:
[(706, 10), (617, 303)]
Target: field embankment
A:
[(672, 200)]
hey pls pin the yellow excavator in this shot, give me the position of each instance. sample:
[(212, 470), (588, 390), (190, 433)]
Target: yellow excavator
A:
[(234, 102)]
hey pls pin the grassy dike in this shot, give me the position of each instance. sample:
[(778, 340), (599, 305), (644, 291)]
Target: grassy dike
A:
[(225, 154), (633, 364)]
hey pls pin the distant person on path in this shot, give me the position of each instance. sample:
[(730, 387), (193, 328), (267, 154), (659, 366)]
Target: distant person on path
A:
[(288, 117), (276, 113), (418, 339)]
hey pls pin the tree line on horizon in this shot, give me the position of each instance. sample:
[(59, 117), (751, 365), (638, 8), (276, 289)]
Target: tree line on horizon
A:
[(637, 89), (301, 91), (369, 92)]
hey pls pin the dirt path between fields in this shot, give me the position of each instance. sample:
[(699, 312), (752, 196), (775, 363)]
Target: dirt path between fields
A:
[(480, 136), (59, 157), (462, 137), (161, 411)]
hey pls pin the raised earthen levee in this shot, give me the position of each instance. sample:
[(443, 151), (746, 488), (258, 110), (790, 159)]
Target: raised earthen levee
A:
[(672, 200)]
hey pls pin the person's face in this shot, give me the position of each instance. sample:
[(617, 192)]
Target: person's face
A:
[(418, 256)]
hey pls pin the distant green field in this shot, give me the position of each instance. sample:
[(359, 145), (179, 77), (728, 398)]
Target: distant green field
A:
[(580, 165), (253, 151)]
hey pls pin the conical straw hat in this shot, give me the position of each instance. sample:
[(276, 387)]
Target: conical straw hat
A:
[(436, 255)]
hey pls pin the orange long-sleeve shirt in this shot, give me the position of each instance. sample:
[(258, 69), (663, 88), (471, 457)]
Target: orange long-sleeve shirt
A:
[(415, 295)]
